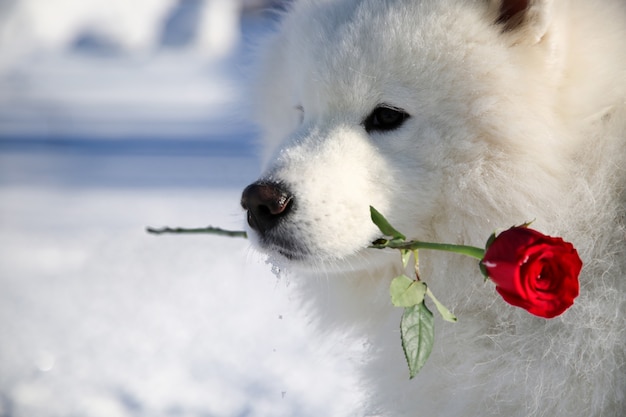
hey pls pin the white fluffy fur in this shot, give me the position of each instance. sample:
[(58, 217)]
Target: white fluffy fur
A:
[(505, 127)]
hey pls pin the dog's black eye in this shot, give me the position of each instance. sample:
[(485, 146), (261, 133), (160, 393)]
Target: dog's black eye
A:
[(385, 118)]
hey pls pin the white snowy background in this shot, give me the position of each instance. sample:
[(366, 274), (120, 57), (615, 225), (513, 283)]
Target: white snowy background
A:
[(115, 115)]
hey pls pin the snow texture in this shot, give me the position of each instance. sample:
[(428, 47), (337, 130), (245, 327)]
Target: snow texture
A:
[(102, 133)]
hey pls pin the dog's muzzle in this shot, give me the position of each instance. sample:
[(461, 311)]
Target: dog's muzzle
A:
[(267, 203)]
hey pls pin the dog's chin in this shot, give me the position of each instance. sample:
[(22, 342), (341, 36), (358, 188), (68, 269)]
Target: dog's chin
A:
[(297, 258), (287, 250), (288, 255)]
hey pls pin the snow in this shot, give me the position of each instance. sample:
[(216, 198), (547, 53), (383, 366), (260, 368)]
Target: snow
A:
[(56, 95), (97, 317), (101, 319), (68, 70)]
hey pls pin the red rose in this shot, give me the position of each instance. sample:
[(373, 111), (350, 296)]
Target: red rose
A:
[(533, 271)]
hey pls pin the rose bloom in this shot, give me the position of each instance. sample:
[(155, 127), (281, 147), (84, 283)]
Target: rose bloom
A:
[(533, 271)]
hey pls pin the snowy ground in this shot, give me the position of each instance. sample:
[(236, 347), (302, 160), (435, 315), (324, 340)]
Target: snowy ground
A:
[(100, 319)]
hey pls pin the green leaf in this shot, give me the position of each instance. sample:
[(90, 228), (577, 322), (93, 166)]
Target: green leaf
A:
[(418, 335), (384, 226), (443, 310), (406, 292)]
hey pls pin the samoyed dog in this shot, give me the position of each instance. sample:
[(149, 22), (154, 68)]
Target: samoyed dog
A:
[(453, 118)]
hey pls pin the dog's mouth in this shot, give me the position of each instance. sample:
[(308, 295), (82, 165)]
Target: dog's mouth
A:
[(292, 233), (289, 249), (290, 253)]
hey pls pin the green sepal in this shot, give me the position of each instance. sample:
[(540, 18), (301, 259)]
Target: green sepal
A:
[(490, 240), (384, 226), (406, 292), (417, 329), (483, 270), (527, 224), (481, 265)]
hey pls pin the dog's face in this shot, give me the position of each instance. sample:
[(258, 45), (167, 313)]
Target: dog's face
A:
[(390, 106)]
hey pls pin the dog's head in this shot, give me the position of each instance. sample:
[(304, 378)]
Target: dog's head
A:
[(408, 106)]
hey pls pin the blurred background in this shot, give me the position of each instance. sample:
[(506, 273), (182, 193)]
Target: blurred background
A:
[(116, 115)]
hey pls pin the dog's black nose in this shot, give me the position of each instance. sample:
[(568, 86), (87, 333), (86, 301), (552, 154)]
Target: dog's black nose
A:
[(266, 203)]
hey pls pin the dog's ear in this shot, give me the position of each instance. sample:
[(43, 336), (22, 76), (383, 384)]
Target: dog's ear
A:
[(525, 21)]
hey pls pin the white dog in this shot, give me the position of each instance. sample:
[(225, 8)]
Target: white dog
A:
[(453, 118)]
